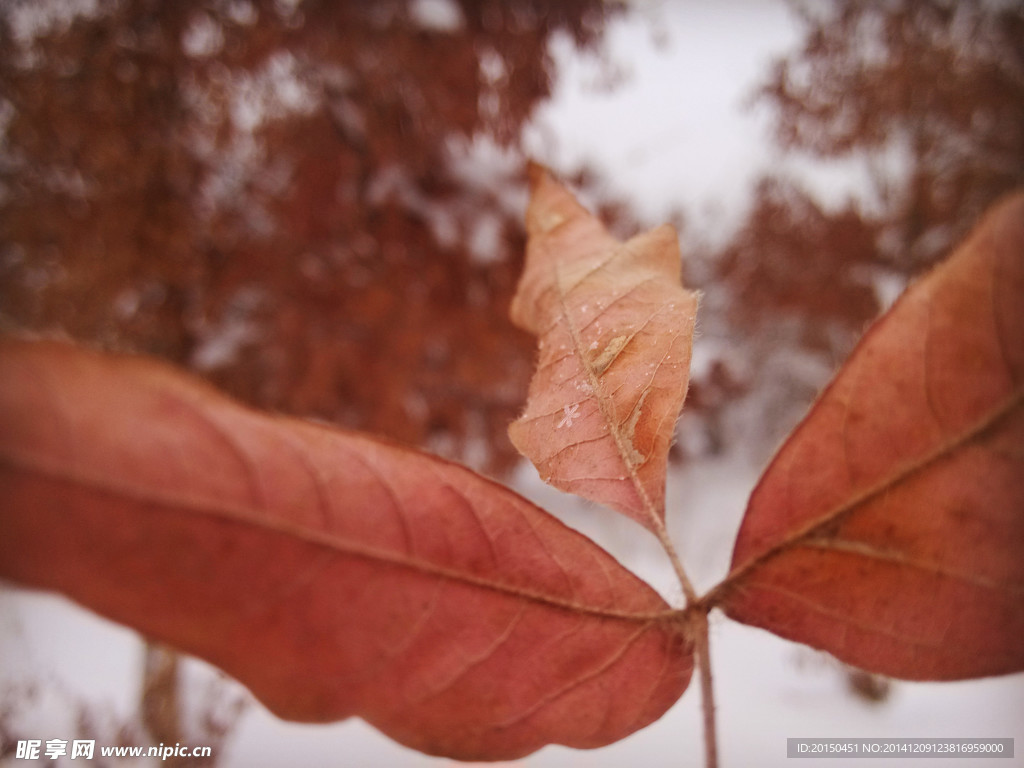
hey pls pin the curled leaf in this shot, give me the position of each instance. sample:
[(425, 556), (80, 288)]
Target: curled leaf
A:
[(615, 329), (333, 574), (889, 530)]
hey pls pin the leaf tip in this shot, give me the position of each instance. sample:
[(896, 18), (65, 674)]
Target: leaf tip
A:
[(660, 247), (551, 204), (536, 172)]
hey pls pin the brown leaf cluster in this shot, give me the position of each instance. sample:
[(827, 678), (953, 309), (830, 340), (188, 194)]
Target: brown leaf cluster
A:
[(940, 80), (925, 100), (265, 194), (792, 258)]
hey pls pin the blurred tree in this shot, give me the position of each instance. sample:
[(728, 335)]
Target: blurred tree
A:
[(931, 94), (934, 86), (794, 258), (281, 196)]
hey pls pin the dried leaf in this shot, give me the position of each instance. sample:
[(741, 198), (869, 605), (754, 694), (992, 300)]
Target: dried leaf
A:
[(889, 528), (615, 328), (333, 574)]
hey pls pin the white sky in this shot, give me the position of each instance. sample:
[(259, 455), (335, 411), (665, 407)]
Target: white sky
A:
[(675, 133), (681, 130)]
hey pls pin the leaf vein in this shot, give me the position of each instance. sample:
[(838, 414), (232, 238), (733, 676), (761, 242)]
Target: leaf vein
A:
[(864, 549), (845, 508), (244, 516)]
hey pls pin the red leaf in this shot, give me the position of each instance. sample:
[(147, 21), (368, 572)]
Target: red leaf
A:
[(333, 574), (615, 329), (889, 530)]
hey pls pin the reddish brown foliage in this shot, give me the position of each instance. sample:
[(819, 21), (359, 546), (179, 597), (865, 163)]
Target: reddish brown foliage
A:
[(266, 196), (794, 259), (941, 81), (928, 97)]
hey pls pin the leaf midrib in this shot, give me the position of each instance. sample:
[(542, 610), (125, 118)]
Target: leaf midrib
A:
[(604, 402), (242, 515), (718, 593)]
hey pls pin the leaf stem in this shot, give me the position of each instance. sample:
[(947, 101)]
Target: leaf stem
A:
[(689, 593), (702, 649), (696, 614)]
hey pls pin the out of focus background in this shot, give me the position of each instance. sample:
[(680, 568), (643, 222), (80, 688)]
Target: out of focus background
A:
[(318, 207)]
